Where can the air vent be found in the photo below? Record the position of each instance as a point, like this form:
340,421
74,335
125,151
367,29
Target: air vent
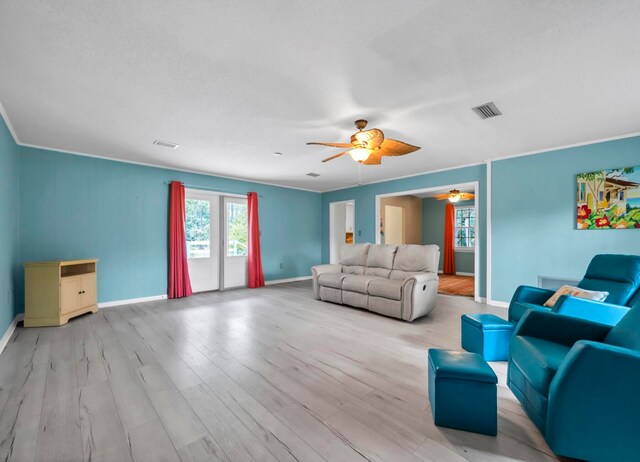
311,174
487,111
166,144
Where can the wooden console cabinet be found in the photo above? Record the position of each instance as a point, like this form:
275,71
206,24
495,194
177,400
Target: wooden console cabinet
56,291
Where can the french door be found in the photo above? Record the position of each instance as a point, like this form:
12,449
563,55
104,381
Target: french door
216,235
203,239
235,237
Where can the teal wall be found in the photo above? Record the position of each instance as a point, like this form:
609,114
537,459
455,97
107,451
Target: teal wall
82,207
55,205
433,232
534,215
365,197
9,225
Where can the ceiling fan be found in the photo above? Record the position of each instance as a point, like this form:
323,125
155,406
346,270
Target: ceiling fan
368,146
454,196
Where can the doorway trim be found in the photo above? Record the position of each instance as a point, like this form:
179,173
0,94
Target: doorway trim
331,206
477,252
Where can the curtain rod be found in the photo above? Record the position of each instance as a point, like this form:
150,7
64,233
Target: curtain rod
206,188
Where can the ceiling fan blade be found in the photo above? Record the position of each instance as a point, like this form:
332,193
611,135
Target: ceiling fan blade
335,157
334,145
441,197
374,159
396,148
466,196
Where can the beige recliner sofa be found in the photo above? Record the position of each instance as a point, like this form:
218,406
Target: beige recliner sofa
398,281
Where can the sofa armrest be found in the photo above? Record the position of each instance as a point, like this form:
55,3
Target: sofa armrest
422,278
593,403
419,295
317,270
558,328
603,313
530,294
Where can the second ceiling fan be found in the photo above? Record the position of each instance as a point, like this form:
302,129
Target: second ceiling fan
368,146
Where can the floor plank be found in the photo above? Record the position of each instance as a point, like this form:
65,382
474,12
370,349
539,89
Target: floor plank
266,374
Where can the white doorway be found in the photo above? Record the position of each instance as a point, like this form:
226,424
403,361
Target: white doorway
202,230
471,232
217,234
341,227
235,240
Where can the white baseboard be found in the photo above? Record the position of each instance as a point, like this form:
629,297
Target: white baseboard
458,273
9,332
281,281
497,303
132,300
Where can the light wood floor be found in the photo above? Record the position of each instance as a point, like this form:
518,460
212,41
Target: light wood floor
267,374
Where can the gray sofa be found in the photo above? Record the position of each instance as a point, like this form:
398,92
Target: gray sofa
398,281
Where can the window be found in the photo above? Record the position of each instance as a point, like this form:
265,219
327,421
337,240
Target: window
198,228
464,237
237,230
621,195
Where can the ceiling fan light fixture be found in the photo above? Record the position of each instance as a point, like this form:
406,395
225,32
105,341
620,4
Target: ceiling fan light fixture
454,196
360,154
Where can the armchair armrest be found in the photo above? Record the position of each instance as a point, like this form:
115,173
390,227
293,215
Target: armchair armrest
603,313
317,270
593,403
558,328
529,294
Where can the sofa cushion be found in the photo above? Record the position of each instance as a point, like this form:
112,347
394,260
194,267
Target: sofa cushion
386,288
354,254
537,359
417,258
357,283
381,272
355,269
381,256
331,280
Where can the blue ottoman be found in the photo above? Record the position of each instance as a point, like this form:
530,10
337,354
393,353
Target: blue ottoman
488,335
463,392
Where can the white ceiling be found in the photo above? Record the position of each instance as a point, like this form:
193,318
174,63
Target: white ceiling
234,81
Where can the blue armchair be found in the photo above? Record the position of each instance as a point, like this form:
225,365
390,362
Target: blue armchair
578,381
617,274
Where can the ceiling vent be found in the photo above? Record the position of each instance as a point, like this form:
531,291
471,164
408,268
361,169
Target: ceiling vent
166,144
314,175
486,111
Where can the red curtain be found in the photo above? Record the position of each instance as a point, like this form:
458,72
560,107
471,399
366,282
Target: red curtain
256,276
179,283
449,265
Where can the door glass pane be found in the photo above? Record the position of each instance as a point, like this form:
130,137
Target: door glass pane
198,228
236,229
